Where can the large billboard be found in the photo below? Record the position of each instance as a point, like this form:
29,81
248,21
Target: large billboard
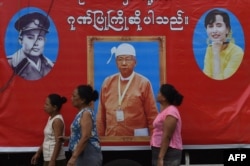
176,42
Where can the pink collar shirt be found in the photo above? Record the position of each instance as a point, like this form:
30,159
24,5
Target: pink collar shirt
176,140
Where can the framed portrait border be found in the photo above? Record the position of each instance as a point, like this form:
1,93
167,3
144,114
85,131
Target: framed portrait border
90,75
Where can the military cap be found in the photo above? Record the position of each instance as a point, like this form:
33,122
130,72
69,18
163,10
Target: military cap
32,21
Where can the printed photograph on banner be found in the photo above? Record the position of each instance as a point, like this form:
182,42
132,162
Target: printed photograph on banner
127,72
218,44
31,43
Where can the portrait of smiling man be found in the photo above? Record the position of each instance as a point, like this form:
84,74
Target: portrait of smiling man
127,104
29,62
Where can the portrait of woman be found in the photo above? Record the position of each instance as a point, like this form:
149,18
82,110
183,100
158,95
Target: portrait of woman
222,55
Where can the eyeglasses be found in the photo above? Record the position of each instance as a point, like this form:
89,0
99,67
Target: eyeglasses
127,60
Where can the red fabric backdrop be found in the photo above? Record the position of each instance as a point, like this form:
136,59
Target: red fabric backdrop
213,112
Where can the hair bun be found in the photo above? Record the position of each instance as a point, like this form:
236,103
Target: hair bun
63,99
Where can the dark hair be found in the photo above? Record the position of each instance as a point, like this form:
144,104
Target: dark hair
211,17
171,94
86,92
57,100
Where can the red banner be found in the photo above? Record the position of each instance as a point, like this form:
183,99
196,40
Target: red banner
174,36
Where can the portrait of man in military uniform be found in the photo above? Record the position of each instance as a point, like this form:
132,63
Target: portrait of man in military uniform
29,62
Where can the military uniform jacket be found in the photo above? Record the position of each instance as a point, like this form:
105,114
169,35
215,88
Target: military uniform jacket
27,69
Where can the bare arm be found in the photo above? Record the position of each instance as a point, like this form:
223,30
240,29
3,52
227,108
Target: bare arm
37,155
58,127
169,126
86,127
